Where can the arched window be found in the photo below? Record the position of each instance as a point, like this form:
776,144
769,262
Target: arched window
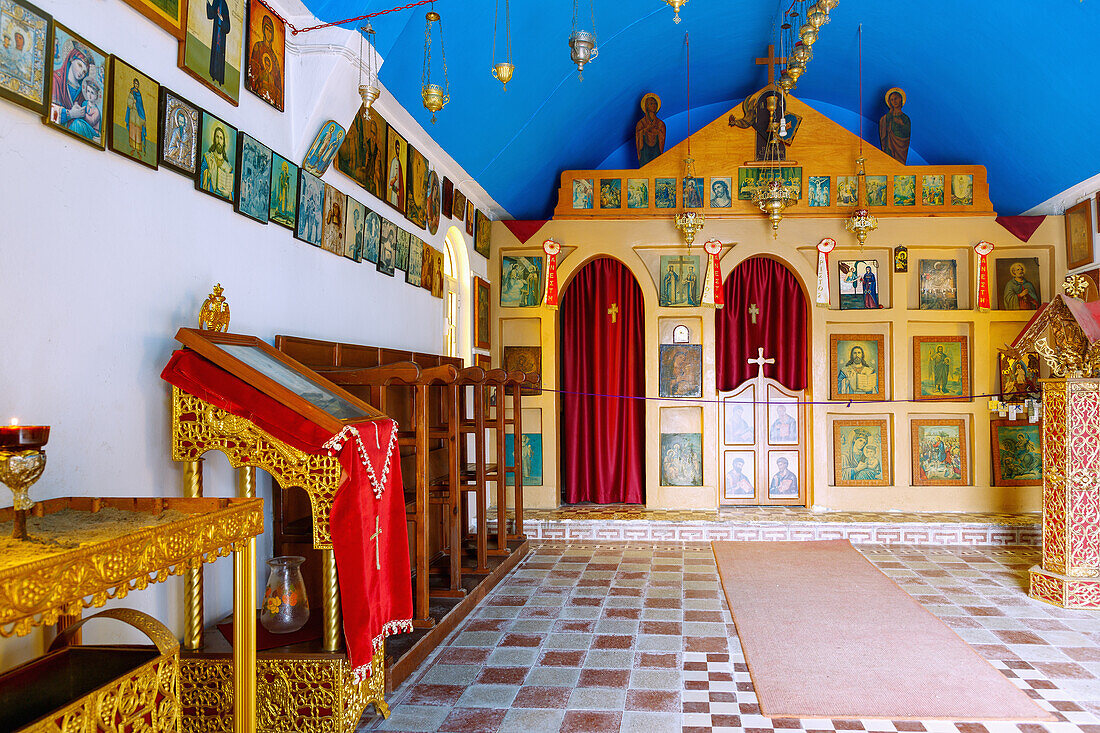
451,299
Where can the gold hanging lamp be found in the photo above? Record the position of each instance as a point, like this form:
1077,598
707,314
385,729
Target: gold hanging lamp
861,222
676,5
435,96
502,70
369,91
771,196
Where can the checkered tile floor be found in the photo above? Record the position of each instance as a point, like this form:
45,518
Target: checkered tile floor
594,638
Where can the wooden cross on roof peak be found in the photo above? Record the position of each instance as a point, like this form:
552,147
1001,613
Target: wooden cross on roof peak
771,61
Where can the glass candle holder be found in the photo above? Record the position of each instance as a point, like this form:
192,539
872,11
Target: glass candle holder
285,608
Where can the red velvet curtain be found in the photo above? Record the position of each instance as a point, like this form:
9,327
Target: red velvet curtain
765,287
603,438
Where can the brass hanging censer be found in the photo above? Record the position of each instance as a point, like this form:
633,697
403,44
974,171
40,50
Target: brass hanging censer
502,70
435,96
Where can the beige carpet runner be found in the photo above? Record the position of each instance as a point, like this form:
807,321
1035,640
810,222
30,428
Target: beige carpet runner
828,635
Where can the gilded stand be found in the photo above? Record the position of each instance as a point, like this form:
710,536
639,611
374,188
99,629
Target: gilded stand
306,691
1067,336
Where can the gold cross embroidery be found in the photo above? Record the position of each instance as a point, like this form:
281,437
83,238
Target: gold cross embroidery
613,311
376,537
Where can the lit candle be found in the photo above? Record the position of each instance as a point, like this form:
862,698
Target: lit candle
23,437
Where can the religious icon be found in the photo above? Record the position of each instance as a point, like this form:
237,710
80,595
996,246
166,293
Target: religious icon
861,453
416,191
737,420
939,452
254,182
783,422
941,368
414,273
693,193
680,370
901,258
819,191
372,231
78,88
855,361
754,113
354,224
437,276
482,324
397,154
962,190
740,474
664,193
266,54
332,226
582,193
526,359
433,202
748,180
311,202
168,14
283,208
1017,453
720,196
178,133
361,156
905,190
427,268
401,257
611,193
448,197
25,37
939,287
1019,377
894,128
681,459
459,210
210,49
847,190
680,280
530,448
471,219
134,113
323,148
858,284
217,158
387,247
649,133
482,233
783,474
876,190
1018,283
1079,234
520,281
931,190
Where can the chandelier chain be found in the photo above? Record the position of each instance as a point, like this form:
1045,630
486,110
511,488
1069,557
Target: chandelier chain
294,30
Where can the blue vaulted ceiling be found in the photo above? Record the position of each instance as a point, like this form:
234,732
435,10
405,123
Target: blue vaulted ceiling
1012,85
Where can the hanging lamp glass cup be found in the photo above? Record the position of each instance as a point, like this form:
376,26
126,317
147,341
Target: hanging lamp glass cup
808,34
582,49
503,73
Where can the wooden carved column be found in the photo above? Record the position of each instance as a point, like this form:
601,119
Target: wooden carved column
1070,573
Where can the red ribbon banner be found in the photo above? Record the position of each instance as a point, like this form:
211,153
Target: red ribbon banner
550,295
714,249
983,248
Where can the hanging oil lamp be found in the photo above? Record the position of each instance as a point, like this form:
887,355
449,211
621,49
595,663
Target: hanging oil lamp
502,70
367,92
676,5
582,44
771,196
861,222
435,96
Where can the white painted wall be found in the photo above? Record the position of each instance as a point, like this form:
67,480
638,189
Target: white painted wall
101,260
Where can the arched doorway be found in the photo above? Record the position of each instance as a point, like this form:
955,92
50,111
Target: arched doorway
762,365
603,362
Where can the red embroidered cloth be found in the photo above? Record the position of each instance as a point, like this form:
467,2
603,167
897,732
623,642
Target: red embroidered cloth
367,520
